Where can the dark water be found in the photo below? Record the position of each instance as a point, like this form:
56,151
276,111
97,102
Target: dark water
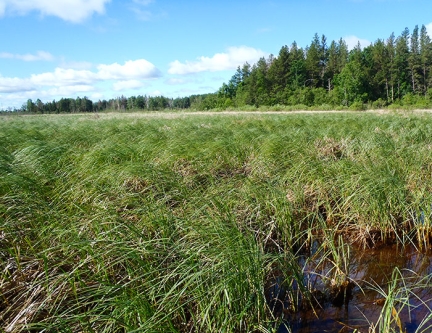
371,270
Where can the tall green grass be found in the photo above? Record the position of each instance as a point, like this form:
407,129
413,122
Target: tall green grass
173,224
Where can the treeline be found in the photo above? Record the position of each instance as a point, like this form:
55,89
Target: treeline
396,72
393,71
84,104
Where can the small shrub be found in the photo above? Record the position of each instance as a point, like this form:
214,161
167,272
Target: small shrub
379,104
357,106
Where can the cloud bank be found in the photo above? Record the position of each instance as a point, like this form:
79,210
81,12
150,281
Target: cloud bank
69,10
234,57
66,81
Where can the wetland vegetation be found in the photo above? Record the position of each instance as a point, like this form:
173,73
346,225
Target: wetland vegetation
216,223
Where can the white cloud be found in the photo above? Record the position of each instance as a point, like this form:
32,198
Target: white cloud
133,69
352,42
39,56
127,85
69,10
69,82
14,84
234,57
64,77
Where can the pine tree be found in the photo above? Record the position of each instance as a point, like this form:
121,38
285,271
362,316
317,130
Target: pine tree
297,73
343,54
313,63
278,75
414,61
262,82
323,55
392,69
381,76
425,58
333,64
401,62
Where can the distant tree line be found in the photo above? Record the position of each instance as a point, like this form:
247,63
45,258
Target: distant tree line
395,71
84,104
392,71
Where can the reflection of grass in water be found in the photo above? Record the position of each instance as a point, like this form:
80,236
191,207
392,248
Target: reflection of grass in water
176,224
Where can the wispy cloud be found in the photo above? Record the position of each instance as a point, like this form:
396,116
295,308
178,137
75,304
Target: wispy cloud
73,11
143,15
235,56
39,56
141,10
75,64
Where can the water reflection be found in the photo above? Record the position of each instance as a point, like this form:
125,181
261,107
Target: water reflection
372,269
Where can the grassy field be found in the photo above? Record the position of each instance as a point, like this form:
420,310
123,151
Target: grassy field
180,223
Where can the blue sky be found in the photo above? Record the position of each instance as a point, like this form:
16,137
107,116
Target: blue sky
102,49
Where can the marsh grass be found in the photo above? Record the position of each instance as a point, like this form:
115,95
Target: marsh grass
182,224
405,292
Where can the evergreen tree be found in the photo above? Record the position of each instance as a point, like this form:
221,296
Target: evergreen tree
245,72
343,54
313,63
414,61
323,55
278,75
298,72
425,58
140,102
262,83
380,68
401,62
392,68
333,65
64,105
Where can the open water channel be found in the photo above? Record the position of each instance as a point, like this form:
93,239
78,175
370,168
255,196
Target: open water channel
371,270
